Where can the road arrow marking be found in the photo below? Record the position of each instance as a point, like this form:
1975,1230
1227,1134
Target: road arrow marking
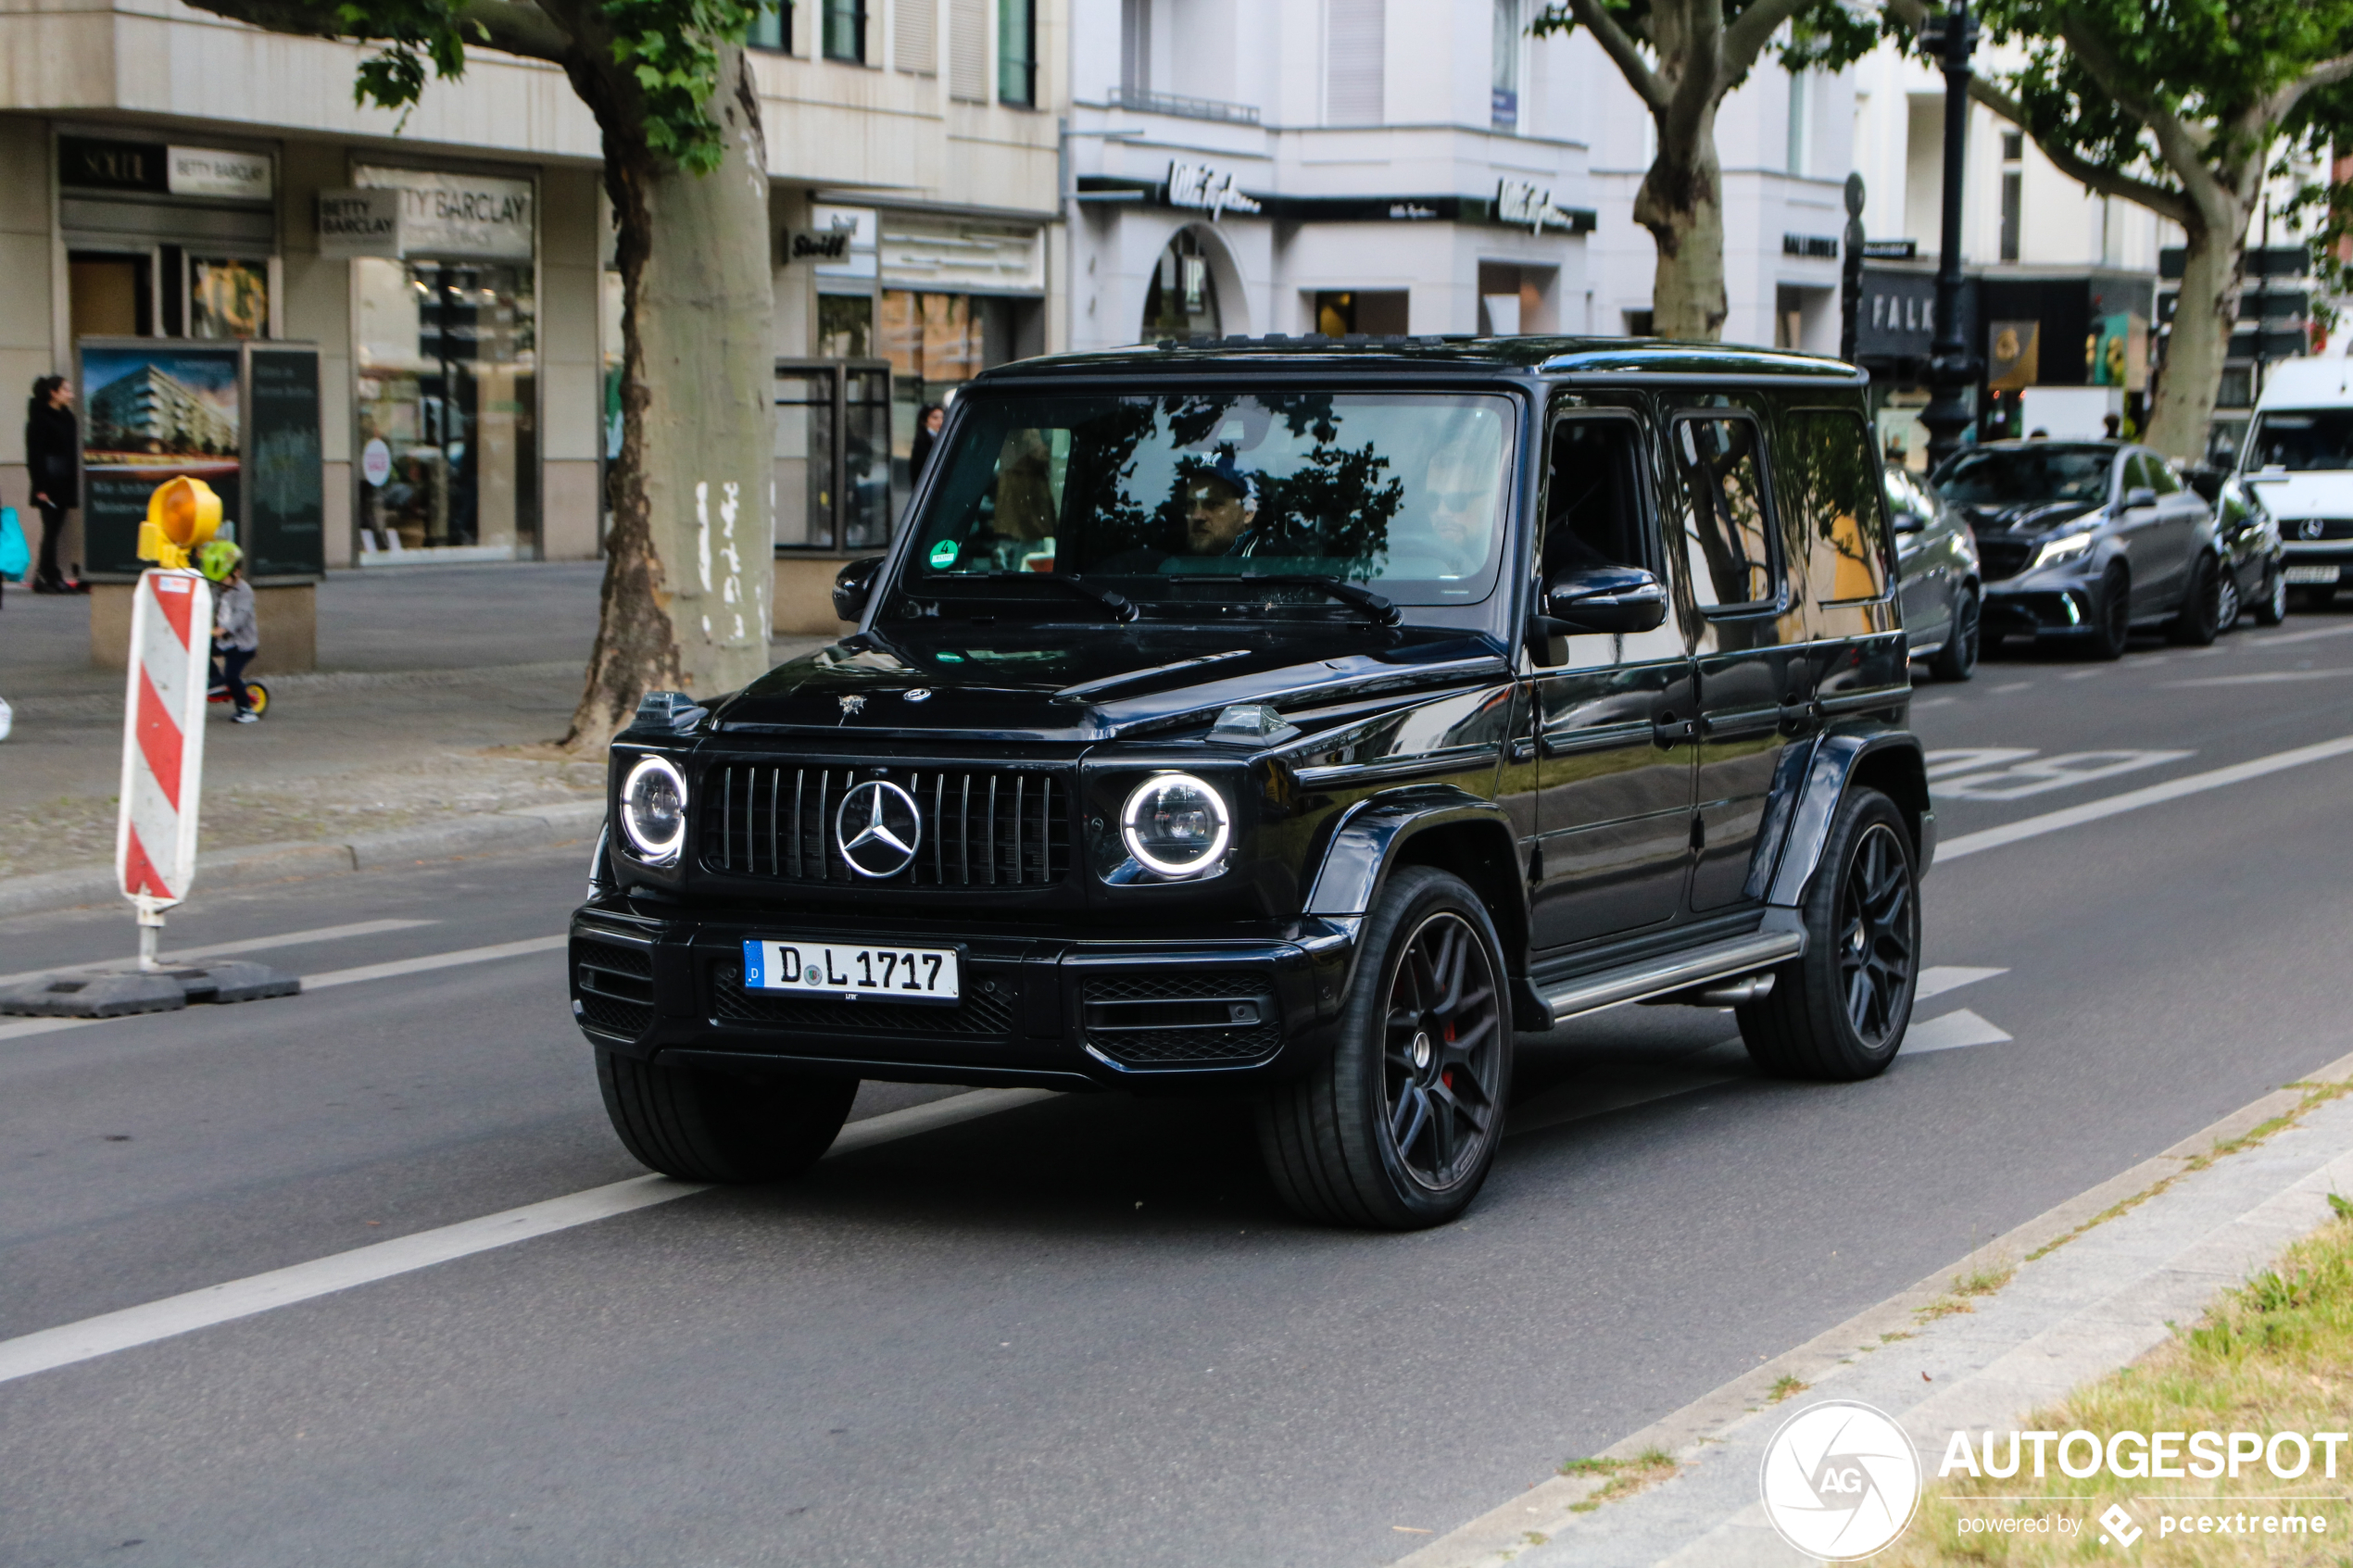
1951,1033
1938,979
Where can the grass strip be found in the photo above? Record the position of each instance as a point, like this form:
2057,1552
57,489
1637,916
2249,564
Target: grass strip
2272,1355
1627,1477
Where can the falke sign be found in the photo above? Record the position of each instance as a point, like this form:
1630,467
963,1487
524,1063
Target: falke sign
1204,189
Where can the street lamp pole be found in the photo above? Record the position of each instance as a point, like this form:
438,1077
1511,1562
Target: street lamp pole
1952,369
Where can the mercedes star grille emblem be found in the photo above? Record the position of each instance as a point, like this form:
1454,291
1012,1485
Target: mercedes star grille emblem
878,829
2314,527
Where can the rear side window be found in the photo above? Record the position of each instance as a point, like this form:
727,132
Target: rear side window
1834,483
1727,530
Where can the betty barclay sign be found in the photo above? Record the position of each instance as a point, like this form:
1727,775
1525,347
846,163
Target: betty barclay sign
464,216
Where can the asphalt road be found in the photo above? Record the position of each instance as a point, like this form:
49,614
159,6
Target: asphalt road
1081,1331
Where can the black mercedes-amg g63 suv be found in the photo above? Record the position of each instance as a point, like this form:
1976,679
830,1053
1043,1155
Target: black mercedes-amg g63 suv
1296,717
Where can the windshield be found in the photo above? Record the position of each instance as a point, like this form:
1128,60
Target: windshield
2303,439
2004,476
1181,499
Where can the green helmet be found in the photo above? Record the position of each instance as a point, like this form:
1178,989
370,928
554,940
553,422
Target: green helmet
218,558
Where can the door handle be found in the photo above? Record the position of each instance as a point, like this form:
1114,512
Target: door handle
1523,750
1666,730
1798,716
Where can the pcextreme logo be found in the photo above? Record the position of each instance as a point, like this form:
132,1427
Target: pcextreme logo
1840,1480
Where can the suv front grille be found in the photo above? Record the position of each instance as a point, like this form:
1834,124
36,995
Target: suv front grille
982,827
614,986
1186,1019
986,1010
2003,558
2295,530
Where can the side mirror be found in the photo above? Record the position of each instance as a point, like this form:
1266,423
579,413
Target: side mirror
1612,600
851,584
2140,495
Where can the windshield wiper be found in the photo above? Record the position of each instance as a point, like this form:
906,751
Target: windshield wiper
1121,608
1383,612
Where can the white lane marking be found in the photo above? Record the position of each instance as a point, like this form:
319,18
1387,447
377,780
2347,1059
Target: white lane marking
249,945
2046,773
335,977
1920,702
1938,979
2257,678
2287,637
2082,674
1951,1032
175,1315
1962,759
2133,800
2013,687
328,981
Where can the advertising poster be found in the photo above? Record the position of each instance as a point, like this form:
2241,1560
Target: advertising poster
285,517
152,410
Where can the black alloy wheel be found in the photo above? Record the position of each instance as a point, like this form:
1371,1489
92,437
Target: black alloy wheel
2199,620
2270,605
2112,613
1839,1010
2227,606
1397,1127
704,1127
1956,661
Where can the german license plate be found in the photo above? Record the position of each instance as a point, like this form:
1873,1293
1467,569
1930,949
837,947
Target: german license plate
850,970
2314,574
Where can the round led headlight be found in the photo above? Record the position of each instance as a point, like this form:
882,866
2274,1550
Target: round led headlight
1176,825
653,810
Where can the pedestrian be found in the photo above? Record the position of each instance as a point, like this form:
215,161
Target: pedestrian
235,635
2112,426
927,425
53,458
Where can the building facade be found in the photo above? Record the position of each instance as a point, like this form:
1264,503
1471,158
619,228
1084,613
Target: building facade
183,178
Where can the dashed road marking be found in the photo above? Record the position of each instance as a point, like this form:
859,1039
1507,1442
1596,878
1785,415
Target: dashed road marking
2042,775
2257,678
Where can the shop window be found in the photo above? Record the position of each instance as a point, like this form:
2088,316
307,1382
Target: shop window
1377,312
845,326
1728,538
1018,52
1503,94
844,30
447,407
771,28
1181,300
228,298
109,296
832,472
1639,323
2013,190
935,343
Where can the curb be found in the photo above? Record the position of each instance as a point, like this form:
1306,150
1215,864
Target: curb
1551,1505
529,828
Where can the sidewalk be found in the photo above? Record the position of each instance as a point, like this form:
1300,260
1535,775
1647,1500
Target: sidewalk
2112,1288
437,693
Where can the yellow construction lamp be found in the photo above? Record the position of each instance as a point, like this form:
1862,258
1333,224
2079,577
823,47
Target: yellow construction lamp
181,514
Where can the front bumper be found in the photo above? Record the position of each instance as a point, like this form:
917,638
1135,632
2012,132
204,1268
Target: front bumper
1061,1007
2045,607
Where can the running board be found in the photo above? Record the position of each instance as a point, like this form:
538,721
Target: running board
1656,978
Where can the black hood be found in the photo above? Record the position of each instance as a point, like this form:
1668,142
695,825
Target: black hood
1060,683
2024,517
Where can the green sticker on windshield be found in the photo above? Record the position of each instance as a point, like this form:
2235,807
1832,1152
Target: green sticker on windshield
943,555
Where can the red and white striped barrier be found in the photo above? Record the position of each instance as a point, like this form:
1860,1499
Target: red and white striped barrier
155,843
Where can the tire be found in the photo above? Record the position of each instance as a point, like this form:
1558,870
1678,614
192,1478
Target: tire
1956,661
1423,1046
2230,607
1839,1012
2199,621
710,1127
2271,607
2112,613
257,698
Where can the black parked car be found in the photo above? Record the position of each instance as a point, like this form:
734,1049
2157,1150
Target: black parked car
2248,538
1298,719
1943,585
2087,540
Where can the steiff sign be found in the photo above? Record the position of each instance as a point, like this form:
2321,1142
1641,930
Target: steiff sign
359,223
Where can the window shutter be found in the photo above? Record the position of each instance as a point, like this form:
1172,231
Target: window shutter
916,43
1354,53
968,44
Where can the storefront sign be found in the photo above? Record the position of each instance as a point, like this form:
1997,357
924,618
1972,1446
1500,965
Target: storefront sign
1814,246
94,163
209,171
806,245
155,410
286,523
458,216
360,223
859,226
963,257
1518,202
1203,189
1898,316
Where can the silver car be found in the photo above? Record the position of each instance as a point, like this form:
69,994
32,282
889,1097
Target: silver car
1936,563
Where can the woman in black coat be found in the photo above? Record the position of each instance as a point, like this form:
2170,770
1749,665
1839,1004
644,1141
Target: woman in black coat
52,456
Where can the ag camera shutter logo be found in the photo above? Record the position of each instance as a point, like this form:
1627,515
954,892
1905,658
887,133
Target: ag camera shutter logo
1840,1480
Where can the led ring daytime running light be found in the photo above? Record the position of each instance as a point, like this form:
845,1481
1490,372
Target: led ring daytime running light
1141,802
654,851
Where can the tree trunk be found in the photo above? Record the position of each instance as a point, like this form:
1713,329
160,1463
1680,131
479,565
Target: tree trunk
689,556
2200,338
1681,203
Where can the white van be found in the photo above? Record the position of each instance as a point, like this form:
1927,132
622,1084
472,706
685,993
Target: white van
2300,461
